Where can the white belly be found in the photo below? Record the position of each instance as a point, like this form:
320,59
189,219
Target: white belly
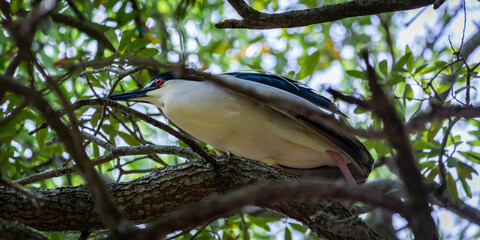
230,122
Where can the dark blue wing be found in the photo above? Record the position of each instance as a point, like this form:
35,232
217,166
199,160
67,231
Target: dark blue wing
288,85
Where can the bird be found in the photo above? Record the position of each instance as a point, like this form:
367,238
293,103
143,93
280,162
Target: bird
236,124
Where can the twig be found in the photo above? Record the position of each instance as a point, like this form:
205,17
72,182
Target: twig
199,231
441,165
75,10
244,227
367,105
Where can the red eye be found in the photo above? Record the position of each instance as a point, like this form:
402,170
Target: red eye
158,82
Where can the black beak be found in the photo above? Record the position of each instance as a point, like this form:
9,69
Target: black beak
130,96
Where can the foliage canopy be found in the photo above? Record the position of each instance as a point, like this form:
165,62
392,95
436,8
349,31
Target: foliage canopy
75,50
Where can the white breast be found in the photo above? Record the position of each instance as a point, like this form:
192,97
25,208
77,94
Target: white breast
231,122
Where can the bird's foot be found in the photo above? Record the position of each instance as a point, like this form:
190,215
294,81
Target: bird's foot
338,159
278,167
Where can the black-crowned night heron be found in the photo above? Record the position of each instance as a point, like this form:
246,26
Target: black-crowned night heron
231,122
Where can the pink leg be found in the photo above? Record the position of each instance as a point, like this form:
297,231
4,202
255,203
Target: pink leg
278,167
338,159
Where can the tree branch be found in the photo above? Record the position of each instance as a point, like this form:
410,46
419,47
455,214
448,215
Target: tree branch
253,19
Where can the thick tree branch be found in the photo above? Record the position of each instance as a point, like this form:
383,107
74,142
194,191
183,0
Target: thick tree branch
253,19
171,189
269,196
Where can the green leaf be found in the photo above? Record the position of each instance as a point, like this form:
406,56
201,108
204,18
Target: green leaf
383,66
126,37
112,37
288,234
96,150
466,187
471,156
410,63
435,126
452,188
109,130
129,139
426,70
261,221
395,79
465,171
146,52
309,65
431,176
139,43
408,93
359,110
417,70
299,227
15,5
410,60
440,64
46,24
475,142
402,61
41,136
452,162
356,74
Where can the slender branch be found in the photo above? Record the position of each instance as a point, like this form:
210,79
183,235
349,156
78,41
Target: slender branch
253,19
85,27
422,224
75,10
459,207
13,113
441,165
114,153
351,99
441,113
13,66
98,141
